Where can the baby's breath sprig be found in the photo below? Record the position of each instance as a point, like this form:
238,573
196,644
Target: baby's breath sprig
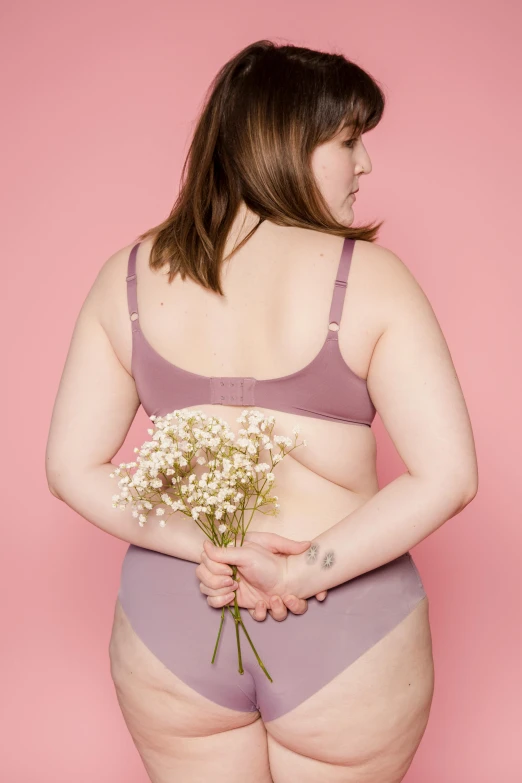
167,477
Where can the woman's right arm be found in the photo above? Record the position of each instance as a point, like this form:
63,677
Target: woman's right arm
93,411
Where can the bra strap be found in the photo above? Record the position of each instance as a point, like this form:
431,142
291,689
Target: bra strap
336,307
132,298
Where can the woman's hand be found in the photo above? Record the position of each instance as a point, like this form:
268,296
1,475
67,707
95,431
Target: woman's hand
261,566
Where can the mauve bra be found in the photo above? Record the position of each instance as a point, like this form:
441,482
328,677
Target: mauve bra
326,388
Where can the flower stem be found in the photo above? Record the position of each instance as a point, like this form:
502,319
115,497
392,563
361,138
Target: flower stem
260,662
219,634
237,621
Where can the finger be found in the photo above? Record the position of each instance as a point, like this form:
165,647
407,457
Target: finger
277,608
211,565
234,555
216,591
278,544
289,547
259,612
214,581
220,600
321,596
295,604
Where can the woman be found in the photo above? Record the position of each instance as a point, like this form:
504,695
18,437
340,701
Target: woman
280,305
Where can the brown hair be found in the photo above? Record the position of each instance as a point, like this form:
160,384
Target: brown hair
268,108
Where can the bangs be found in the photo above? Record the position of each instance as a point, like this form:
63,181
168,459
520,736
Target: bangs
363,109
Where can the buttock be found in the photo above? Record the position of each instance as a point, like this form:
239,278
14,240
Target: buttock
161,597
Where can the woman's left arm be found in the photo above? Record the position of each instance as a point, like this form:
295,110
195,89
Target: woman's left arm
414,386
415,389
398,517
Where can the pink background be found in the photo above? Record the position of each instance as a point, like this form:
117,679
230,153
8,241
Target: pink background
99,105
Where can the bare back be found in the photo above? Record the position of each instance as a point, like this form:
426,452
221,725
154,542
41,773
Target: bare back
272,322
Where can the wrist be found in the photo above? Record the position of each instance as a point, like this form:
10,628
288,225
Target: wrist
294,582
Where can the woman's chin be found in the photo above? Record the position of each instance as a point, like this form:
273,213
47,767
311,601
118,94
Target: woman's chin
347,217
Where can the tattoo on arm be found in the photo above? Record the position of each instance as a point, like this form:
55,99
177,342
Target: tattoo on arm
328,559
311,555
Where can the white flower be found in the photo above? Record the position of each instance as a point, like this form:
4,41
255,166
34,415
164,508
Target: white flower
183,439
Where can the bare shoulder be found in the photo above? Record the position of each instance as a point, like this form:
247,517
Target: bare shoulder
386,269
108,290
393,285
106,303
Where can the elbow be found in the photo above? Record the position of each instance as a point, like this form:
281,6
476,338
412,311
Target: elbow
470,491
469,484
54,478
453,489
54,492
463,489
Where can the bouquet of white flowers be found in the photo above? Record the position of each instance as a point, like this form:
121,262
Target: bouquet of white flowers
166,478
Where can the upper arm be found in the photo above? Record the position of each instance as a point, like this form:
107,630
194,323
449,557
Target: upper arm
414,386
97,399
